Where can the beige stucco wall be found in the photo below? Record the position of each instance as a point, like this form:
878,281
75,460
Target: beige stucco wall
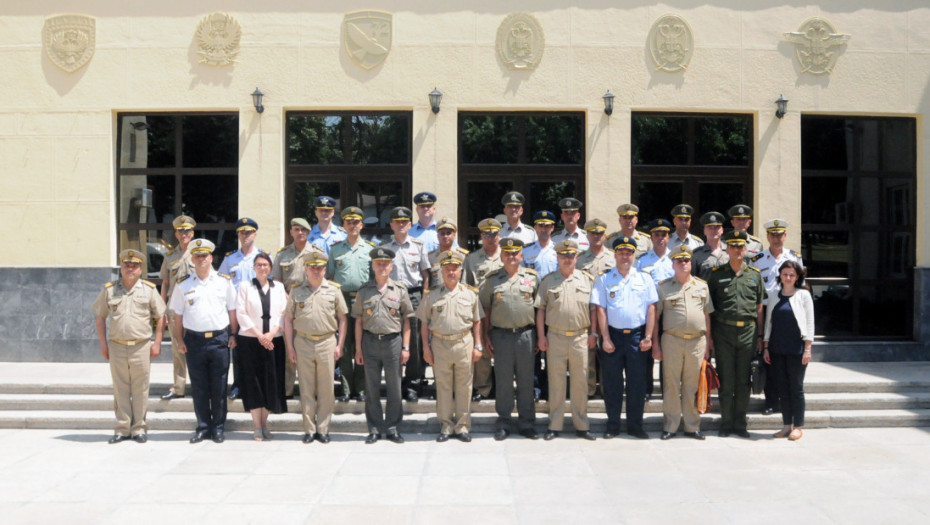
57,130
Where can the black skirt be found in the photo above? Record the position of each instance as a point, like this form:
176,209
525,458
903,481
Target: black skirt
262,382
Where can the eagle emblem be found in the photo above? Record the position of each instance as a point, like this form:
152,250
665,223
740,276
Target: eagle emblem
367,37
813,42
69,40
520,41
671,43
218,38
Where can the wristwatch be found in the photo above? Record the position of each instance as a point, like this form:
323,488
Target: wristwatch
405,348
479,348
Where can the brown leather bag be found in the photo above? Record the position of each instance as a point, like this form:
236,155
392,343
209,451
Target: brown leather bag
707,382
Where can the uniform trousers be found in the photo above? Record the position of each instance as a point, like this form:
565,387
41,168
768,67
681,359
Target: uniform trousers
681,371
628,360
453,371
595,370
290,377
382,354
513,360
316,363
129,367
484,374
208,363
568,352
789,379
733,349
179,360
352,375
415,369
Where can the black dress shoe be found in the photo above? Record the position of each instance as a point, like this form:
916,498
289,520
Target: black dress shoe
742,433
667,435
218,437
395,437
723,433
477,397
372,438
550,435
442,438
234,393
171,395
610,434
529,434
584,434
768,411
117,439
361,398
412,396
322,438
140,438
695,435
638,433
464,437
343,398
501,434
308,438
200,435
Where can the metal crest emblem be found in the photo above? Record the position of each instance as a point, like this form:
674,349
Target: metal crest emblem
520,41
367,37
70,40
671,43
812,43
218,36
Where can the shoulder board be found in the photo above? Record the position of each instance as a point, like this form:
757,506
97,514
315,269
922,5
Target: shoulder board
225,276
340,228
493,272
181,279
109,284
334,283
588,275
715,268
414,240
281,249
171,251
698,279
602,272
295,285
796,254
148,283
663,281
230,253
472,288
370,243
531,271
754,268
463,250
757,256
534,243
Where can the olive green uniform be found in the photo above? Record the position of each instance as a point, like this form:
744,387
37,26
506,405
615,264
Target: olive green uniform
595,265
705,259
131,313
735,298
350,267
478,265
684,343
288,268
175,265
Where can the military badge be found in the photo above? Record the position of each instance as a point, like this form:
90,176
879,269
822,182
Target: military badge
393,311
300,305
218,38
527,295
520,41
367,37
498,296
439,308
368,311
190,301
613,294
339,262
813,41
671,43
69,41
555,295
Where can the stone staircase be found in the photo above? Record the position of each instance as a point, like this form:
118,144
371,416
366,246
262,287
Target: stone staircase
79,396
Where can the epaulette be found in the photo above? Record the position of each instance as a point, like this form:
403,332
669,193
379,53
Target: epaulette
696,278
414,240
171,251
230,253
663,281
472,288
334,283
754,268
370,243
588,275
181,278
109,284
463,250
148,283
225,276
534,243
757,256
295,285
715,268
531,271
602,272
281,249
796,254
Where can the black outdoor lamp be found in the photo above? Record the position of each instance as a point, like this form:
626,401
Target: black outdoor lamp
435,97
257,100
781,106
608,103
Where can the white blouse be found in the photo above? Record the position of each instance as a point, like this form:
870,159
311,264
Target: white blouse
249,308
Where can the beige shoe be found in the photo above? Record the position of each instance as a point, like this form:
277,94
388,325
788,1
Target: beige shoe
783,433
795,434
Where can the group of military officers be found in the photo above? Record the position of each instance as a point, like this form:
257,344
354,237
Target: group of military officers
590,302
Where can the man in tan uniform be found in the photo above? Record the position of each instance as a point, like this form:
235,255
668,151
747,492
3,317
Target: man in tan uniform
315,312
563,304
478,264
176,264
131,303
445,232
595,261
685,300
629,218
450,329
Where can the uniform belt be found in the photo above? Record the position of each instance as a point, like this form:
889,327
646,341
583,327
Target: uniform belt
312,337
453,337
735,322
569,333
207,335
128,342
626,331
514,330
685,336
382,336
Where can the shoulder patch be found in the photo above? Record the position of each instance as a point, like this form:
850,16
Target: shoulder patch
148,283
230,252
225,276
109,284
757,256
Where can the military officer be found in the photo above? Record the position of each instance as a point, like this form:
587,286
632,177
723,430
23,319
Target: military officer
655,262
239,265
513,210
349,266
685,301
450,328
478,264
205,313
382,310
314,315
595,261
736,290
681,218
741,220
570,216
563,304
629,218
425,227
325,234
445,232
713,253
539,255
507,297
625,300
176,264
411,268
769,264
131,303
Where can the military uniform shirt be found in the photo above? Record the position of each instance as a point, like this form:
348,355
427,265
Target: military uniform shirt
450,312
579,236
543,260
522,231
409,261
175,264
205,304
239,267
753,245
659,268
314,311
643,242
383,312
596,264
705,259
130,311
566,300
426,234
625,300
510,301
691,241
435,270
769,266
684,305
327,240
736,296
348,265
288,265
478,264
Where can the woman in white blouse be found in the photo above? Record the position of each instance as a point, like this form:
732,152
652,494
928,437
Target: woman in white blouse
260,311
789,333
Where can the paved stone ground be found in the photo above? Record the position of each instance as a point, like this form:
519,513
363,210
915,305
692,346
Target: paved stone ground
868,475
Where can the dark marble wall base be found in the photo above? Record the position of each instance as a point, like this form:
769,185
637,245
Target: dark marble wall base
922,305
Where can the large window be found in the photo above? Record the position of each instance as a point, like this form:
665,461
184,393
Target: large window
541,155
858,215
358,158
173,164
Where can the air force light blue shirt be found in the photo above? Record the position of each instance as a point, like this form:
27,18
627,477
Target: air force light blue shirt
626,300
543,260
325,242
240,267
659,268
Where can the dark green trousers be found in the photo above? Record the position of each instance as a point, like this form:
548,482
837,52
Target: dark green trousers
734,347
353,375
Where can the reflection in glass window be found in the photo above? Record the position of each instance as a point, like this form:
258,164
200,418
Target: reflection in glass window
714,140
546,139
